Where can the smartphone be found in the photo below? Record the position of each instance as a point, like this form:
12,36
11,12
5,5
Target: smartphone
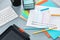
28,4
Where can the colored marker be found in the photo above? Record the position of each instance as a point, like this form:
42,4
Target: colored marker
44,9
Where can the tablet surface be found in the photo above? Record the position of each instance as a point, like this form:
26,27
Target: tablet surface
11,34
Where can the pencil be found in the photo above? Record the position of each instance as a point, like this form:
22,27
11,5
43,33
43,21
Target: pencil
23,18
55,14
44,30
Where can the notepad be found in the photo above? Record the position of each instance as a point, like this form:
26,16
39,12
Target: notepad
54,33
36,18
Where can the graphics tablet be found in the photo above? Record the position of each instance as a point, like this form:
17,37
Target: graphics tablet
12,33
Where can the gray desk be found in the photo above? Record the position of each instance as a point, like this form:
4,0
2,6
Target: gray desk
21,23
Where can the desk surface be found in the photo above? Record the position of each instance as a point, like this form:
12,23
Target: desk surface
19,22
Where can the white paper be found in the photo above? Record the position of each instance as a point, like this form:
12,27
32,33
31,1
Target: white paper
46,17
55,19
53,22
55,10
36,18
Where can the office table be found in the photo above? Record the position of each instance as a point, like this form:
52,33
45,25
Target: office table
19,22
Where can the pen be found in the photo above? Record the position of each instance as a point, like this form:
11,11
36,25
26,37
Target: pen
44,30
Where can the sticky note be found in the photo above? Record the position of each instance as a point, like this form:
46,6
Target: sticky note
54,33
